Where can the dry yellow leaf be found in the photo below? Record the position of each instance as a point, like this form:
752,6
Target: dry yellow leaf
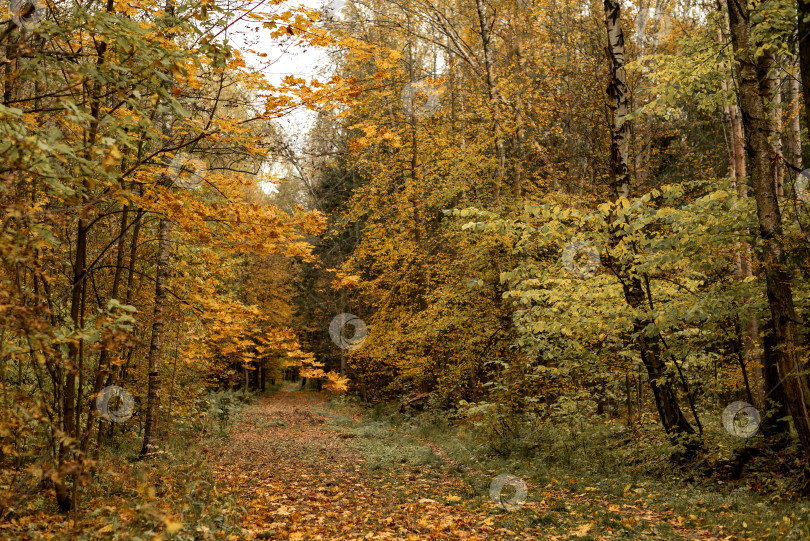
582,530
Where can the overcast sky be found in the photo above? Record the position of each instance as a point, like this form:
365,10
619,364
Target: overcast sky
282,61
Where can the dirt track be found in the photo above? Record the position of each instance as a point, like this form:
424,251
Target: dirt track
299,479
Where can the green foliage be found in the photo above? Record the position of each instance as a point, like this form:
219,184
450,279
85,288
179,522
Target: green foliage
218,409
604,461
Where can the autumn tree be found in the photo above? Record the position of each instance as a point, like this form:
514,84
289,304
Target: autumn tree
132,135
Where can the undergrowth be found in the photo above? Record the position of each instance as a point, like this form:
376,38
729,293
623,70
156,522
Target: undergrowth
170,495
743,488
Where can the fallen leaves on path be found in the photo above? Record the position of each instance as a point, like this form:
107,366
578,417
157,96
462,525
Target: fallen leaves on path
298,479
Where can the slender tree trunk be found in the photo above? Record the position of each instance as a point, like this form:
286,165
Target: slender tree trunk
774,86
104,358
69,416
750,327
492,95
11,69
414,194
732,113
778,272
650,348
774,392
517,173
794,133
150,433
156,345
133,252
617,101
628,400
803,12
520,134
645,45
263,376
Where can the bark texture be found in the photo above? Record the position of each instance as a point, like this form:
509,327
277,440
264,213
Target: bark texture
753,75
650,348
156,344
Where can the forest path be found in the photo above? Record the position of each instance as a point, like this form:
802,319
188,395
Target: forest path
298,477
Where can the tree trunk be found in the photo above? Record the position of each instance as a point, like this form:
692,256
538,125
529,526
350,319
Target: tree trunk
778,273
774,86
774,393
69,412
156,345
803,12
617,102
416,200
484,28
150,433
104,358
794,133
750,327
650,348
262,377
115,374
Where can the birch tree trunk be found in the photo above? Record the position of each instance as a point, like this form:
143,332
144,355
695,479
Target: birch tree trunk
650,348
617,102
774,86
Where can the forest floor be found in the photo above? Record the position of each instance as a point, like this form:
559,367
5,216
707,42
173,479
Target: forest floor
298,464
